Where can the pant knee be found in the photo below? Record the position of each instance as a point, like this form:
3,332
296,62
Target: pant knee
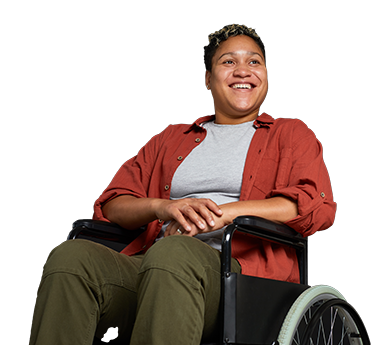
181,254
73,256
169,250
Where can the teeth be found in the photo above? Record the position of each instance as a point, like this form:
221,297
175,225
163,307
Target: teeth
242,86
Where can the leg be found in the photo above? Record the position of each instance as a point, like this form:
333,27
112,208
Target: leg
85,288
178,293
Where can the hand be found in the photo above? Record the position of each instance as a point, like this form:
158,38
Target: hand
189,213
175,228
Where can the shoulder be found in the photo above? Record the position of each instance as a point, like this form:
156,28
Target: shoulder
171,130
182,128
294,125
281,121
174,134
288,130
285,124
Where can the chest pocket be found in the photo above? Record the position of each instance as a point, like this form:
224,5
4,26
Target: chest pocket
274,172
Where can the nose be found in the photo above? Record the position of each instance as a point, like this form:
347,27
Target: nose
242,70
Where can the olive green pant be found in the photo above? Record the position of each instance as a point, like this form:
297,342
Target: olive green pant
170,295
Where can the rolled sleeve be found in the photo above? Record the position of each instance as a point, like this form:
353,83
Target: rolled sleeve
308,185
131,179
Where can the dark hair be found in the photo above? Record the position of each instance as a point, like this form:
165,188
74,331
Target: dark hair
227,31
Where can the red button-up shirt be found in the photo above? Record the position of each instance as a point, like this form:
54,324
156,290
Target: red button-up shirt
284,158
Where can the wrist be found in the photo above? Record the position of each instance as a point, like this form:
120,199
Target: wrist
155,206
229,213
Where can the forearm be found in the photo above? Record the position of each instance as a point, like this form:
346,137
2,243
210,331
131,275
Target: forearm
277,209
130,212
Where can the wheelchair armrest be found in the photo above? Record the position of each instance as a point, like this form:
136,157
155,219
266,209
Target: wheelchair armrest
109,234
268,230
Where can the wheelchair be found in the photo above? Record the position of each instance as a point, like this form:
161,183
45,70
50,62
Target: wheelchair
256,310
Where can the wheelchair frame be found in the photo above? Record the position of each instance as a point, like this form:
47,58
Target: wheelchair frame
250,317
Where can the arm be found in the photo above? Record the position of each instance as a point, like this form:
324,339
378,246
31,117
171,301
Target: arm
305,180
277,209
131,212
135,197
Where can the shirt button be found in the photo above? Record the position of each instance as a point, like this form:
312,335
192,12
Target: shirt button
166,187
197,140
322,194
179,158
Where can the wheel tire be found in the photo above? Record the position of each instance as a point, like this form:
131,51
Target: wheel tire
309,298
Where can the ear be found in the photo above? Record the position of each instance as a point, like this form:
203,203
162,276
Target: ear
207,79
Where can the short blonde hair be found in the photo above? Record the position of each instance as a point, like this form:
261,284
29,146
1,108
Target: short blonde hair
227,31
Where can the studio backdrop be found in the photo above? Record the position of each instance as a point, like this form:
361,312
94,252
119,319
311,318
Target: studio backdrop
98,92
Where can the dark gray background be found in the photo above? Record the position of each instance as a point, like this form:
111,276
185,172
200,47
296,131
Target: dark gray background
98,92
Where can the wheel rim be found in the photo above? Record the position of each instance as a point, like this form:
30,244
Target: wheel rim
335,322
339,325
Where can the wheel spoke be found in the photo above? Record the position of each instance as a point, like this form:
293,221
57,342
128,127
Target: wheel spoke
332,322
343,332
321,324
304,316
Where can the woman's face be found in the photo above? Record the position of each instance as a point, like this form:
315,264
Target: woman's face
238,81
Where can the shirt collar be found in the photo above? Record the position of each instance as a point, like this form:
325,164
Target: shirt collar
264,120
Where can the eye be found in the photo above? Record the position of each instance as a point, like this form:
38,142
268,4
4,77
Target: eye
228,62
254,62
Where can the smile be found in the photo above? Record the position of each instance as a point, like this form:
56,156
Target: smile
242,86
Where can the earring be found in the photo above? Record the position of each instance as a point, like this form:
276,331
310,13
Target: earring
208,86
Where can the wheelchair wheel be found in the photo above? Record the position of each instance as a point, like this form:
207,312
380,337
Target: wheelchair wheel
322,316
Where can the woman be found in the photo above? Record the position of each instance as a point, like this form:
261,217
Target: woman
187,184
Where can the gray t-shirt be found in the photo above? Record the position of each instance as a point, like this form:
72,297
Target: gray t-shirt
214,169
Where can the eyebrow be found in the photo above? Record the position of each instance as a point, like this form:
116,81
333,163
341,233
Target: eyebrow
234,53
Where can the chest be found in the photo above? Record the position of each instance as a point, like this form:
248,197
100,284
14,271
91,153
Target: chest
216,165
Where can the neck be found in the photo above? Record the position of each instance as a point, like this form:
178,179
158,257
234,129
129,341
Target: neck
223,119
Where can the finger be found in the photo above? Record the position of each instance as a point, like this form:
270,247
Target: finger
171,228
194,217
179,218
174,228
213,207
202,212
207,215
208,210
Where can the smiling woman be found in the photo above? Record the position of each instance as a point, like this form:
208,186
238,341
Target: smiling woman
184,188
238,80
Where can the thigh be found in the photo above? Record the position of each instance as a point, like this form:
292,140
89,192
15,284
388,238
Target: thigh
120,298
185,272
110,276
80,292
